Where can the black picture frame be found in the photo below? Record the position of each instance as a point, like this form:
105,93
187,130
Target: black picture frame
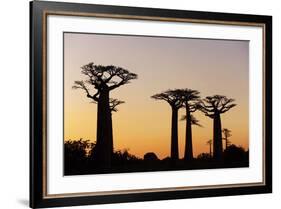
38,12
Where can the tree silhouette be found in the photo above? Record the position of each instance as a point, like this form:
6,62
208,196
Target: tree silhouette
235,153
226,134
173,97
123,157
210,142
188,154
150,156
189,99
204,156
103,79
76,153
213,107
113,103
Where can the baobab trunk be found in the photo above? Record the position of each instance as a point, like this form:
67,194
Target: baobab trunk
103,146
217,144
188,154
174,135
110,134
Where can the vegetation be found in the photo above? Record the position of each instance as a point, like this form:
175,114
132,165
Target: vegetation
174,99
79,160
85,157
103,79
226,134
213,107
189,99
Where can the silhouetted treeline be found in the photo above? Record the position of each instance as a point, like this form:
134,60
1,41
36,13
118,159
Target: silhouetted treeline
79,159
82,157
76,155
212,106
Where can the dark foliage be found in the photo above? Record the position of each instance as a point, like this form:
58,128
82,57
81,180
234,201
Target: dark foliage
84,157
150,156
76,154
123,157
80,159
204,156
235,154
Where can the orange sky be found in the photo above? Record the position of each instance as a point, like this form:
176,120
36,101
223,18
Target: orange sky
143,124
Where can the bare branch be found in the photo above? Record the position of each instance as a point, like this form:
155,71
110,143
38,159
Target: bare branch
94,72
194,106
110,76
226,108
173,97
216,104
125,77
207,111
113,103
81,85
189,95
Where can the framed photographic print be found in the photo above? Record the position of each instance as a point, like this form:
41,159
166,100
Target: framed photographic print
139,104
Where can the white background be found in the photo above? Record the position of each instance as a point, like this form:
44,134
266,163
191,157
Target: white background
14,107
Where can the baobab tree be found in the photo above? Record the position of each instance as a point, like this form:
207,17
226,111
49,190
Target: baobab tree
189,99
103,80
210,142
173,98
188,153
113,103
213,107
226,134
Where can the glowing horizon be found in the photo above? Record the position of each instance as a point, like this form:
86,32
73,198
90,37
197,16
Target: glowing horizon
143,124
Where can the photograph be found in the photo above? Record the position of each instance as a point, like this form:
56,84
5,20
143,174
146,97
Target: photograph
134,103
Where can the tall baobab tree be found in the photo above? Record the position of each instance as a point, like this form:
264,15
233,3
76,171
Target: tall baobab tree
213,107
188,153
103,80
226,134
189,99
173,97
113,103
210,142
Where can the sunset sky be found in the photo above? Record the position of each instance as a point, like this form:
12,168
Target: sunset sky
143,124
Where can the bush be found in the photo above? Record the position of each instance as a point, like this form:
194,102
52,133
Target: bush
234,153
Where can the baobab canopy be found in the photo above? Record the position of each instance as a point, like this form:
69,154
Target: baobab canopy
213,107
104,79
216,104
173,97
177,99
